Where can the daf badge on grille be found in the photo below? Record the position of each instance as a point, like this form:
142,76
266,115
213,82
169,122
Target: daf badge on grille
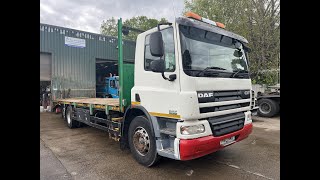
203,95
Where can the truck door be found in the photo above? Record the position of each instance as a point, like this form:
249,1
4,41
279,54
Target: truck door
157,94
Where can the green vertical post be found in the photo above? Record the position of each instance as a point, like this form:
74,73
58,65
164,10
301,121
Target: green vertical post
120,63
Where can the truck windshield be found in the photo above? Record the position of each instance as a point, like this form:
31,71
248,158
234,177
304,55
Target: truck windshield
203,49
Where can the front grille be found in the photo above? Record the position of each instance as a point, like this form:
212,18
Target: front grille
221,125
222,108
221,96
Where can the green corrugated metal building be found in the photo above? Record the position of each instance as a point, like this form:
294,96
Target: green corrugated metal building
68,59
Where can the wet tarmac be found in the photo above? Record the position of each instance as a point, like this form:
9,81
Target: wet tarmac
88,153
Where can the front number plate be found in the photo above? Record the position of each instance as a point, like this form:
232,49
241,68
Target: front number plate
227,141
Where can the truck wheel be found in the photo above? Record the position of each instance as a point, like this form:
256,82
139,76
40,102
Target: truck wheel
142,142
63,112
268,108
71,123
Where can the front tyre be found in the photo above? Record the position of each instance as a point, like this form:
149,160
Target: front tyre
142,142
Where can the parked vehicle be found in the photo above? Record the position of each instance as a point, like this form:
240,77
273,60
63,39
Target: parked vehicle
175,101
109,88
269,102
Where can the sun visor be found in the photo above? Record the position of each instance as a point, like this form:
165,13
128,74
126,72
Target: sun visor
208,27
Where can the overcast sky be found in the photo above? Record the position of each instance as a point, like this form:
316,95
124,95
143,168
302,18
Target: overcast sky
87,15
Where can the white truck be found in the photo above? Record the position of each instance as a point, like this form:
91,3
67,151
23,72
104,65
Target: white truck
188,94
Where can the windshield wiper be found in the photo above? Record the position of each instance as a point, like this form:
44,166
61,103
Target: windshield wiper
239,71
207,68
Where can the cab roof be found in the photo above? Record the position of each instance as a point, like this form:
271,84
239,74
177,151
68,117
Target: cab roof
208,27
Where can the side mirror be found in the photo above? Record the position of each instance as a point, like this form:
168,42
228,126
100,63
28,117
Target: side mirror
156,44
247,49
157,65
237,53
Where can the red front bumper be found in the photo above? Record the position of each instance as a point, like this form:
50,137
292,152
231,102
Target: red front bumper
194,148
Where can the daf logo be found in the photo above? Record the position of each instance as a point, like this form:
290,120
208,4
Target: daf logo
246,92
204,95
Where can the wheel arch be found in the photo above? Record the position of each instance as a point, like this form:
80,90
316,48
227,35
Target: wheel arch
129,115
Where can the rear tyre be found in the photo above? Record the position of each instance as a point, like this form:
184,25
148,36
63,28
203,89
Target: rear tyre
268,107
142,142
63,112
71,123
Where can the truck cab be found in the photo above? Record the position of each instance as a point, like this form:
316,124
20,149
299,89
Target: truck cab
109,88
192,80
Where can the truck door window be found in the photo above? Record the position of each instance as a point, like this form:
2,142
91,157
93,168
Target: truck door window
167,35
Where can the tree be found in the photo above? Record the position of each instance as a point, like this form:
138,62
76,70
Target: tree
109,27
256,20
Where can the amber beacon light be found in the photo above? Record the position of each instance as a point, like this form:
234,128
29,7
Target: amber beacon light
205,20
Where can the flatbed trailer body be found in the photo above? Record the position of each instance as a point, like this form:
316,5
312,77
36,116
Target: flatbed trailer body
101,113
94,103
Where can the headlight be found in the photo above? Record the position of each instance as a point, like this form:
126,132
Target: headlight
195,129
